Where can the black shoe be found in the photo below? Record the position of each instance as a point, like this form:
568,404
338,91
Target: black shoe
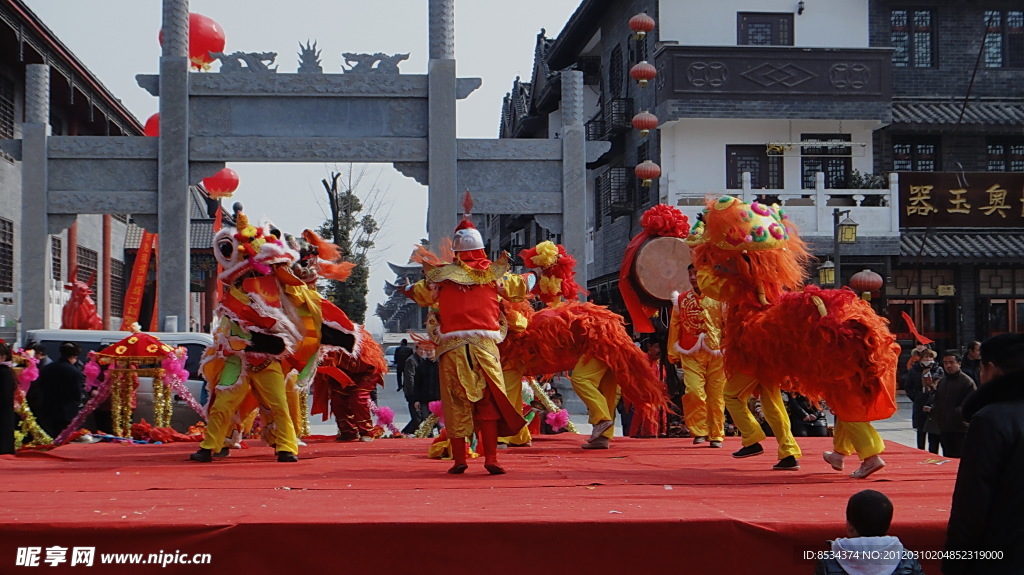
286,457
202,456
224,452
749,451
787,463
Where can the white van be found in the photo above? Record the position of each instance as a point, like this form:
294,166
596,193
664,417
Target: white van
95,340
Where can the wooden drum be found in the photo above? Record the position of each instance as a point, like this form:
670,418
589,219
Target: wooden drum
660,269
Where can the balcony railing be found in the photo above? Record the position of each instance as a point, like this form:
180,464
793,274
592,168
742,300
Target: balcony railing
617,188
618,115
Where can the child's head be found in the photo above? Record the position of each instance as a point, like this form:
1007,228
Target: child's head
868,514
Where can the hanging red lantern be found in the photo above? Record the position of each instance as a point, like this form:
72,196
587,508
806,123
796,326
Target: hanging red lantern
152,127
641,24
645,122
647,171
222,184
866,281
643,73
204,36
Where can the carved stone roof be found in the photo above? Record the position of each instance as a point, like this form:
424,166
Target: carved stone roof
1002,113
963,246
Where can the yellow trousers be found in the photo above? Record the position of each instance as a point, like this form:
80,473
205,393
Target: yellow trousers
857,437
514,390
598,389
704,402
737,390
463,373
268,385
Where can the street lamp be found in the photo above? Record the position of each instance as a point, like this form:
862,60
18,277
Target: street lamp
843,232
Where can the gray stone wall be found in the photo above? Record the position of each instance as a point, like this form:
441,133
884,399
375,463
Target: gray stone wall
958,33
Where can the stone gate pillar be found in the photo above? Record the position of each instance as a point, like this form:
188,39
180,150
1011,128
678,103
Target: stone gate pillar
574,173
442,151
35,243
173,279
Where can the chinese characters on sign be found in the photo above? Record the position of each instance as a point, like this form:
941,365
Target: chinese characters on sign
972,200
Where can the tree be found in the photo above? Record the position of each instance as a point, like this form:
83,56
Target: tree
355,233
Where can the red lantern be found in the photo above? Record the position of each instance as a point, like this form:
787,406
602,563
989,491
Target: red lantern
647,171
152,128
222,184
866,281
204,36
645,122
643,73
641,24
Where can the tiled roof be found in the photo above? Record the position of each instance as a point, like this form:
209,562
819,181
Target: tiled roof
200,237
948,112
970,246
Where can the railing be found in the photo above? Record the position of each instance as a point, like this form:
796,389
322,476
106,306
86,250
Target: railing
876,211
617,189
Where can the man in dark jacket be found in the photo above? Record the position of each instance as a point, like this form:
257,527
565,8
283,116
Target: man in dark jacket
56,395
428,386
409,389
919,385
971,365
953,389
401,355
988,501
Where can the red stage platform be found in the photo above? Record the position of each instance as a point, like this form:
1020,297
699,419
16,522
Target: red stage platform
644,506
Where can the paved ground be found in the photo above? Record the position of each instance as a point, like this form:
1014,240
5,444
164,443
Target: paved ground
896,429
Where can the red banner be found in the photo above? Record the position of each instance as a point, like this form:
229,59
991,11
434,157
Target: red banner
137,284
154,322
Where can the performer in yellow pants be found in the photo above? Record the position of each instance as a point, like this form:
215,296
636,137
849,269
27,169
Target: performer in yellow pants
703,402
514,390
858,437
267,383
737,390
596,386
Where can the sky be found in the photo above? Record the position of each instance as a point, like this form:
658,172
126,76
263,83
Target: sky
494,41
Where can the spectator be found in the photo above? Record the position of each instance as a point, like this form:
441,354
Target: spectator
409,388
866,549
545,427
988,501
56,395
648,420
7,385
401,355
428,383
919,385
971,364
953,389
40,353
806,417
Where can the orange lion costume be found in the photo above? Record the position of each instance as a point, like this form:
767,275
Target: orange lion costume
825,344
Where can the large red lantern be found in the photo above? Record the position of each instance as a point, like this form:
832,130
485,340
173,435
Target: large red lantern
204,36
866,281
641,24
647,171
152,127
645,122
643,73
222,184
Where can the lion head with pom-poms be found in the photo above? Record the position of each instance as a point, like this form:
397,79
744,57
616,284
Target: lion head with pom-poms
747,252
557,272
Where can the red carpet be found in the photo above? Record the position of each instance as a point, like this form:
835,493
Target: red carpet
643,506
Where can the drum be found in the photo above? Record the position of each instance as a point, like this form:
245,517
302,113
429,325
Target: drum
660,269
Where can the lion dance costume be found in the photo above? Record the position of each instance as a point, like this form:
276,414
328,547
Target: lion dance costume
467,326
824,344
269,324
586,339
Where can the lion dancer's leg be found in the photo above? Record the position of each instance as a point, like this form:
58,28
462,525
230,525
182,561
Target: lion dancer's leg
714,388
269,385
457,408
513,379
599,393
359,408
341,409
737,390
485,418
695,408
861,438
232,389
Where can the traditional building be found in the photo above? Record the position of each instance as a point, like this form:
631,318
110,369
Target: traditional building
90,249
823,110
400,314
